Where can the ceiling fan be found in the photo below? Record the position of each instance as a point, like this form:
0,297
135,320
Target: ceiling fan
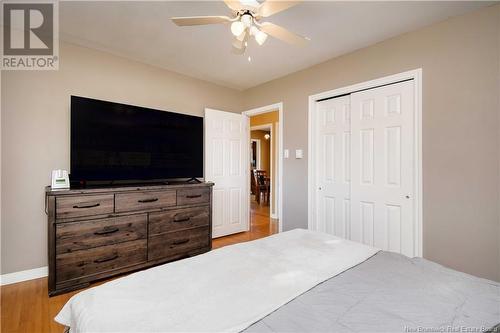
245,22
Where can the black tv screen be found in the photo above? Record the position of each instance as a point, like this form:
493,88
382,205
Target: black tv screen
112,142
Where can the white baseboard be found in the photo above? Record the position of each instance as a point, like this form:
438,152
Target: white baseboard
21,276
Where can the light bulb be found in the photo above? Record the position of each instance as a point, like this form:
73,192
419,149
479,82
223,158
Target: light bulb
237,28
260,37
247,20
253,30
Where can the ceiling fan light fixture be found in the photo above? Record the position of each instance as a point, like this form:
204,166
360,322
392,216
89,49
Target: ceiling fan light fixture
237,28
260,37
247,20
253,30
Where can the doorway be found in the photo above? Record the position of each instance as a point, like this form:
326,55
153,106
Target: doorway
365,163
263,163
265,168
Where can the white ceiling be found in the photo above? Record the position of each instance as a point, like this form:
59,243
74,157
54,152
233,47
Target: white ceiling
142,31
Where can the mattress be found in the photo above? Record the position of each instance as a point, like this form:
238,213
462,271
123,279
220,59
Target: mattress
391,293
296,281
227,289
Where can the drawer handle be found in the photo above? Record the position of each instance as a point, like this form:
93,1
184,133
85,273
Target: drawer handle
99,261
193,196
180,241
182,219
106,231
148,200
87,206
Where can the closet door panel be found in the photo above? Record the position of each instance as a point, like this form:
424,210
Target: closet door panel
382,167
333,150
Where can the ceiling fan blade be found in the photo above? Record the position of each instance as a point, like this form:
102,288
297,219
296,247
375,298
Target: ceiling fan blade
252,5
239,51
241,41
270,7
238,44
243,37
233,5
200,20
281,33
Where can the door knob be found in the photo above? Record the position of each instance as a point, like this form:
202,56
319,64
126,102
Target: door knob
319,188
407,197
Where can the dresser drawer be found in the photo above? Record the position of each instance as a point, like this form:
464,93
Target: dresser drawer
178,219
173,244
83,235
85,205
100,259
126,202
193,196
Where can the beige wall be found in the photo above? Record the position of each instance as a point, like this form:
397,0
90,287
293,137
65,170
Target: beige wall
35,131
460,62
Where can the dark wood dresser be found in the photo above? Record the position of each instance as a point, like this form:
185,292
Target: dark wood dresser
100,232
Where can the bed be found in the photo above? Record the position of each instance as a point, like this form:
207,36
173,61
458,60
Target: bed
296,281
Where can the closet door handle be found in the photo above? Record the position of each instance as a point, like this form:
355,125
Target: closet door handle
86,206
147,200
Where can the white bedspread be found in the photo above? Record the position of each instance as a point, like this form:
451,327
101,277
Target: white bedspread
224,290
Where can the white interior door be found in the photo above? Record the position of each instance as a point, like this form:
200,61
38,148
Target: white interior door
382,167
333,166
227,164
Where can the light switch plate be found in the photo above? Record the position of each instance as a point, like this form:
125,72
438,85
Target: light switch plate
299,153
286,153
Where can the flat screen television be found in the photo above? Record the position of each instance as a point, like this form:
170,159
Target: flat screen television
119,142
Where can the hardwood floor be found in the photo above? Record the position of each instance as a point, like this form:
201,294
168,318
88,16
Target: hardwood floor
26,307
260,226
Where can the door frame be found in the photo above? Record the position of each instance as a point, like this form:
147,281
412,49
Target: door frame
416,75
266,109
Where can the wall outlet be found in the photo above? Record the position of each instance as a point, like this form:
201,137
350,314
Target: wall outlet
286,153
299,153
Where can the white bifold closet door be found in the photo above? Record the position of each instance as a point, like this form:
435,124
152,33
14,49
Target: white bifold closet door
382,167
365,167
333,150
227,164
